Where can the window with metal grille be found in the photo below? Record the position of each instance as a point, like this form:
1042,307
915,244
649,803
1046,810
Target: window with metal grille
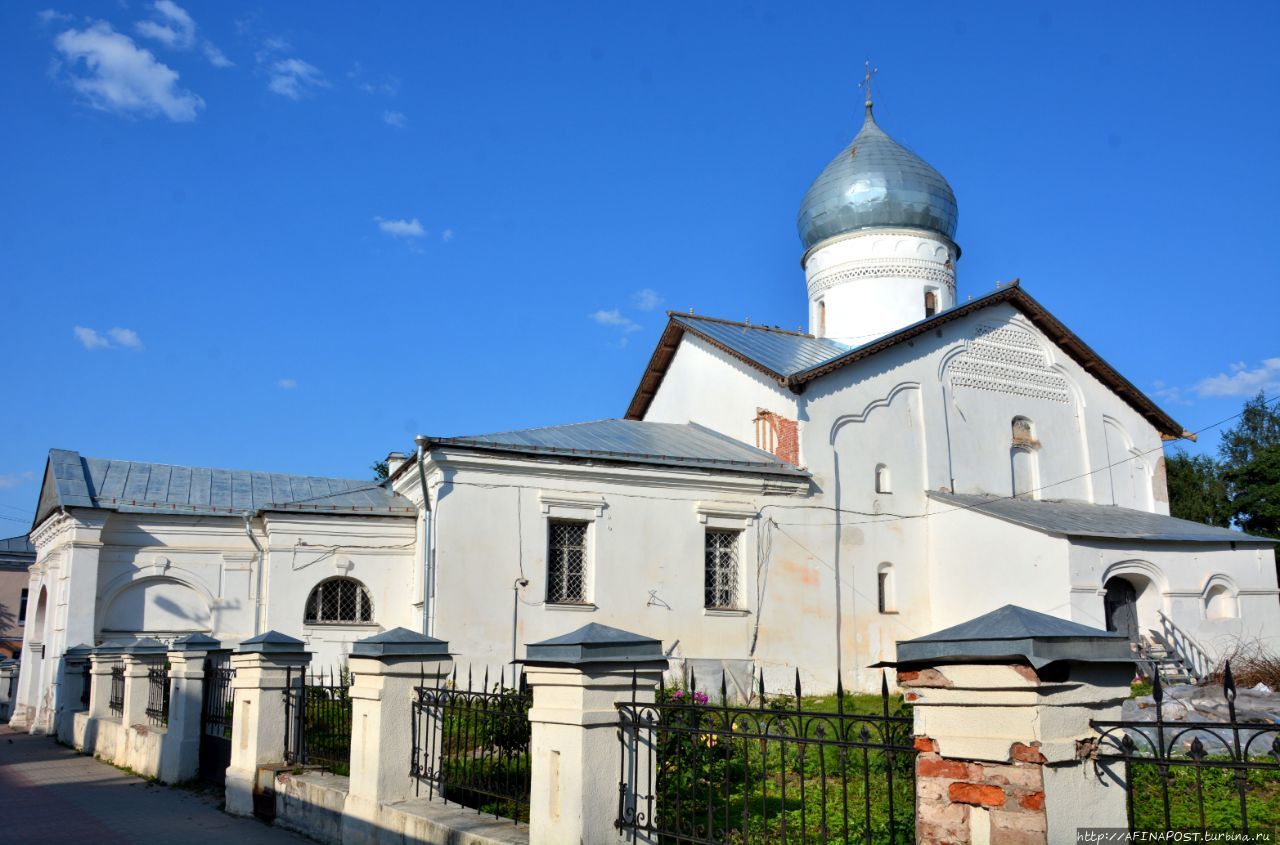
339,601
567,562
722,569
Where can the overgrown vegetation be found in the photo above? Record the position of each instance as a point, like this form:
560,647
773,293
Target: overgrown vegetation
1252,663
1221,798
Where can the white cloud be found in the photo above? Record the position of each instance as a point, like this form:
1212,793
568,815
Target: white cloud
1240,380
614,318
294,78
172,26
48,16
112,338
14,479
114,74
127,338
215,56
90,339
402,228
287,383
394,118
446,235
646,299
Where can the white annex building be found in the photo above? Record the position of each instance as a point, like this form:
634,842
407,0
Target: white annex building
772,501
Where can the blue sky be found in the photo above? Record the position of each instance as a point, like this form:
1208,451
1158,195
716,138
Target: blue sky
288,237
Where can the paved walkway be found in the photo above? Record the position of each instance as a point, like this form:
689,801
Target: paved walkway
50,794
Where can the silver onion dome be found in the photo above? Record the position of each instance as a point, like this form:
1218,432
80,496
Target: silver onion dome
876,182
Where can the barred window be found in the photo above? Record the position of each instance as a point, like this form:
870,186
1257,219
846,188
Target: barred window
567,562
339,601
722,569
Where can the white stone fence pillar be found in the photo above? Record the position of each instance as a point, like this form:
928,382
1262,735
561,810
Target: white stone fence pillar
75,689
1002,707
180,753
265,665
139,658
386,669
104,659
575,749
8,687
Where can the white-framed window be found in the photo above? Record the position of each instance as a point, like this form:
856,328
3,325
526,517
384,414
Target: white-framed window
720,572
884,484
886,602
339,601
567,561
930,302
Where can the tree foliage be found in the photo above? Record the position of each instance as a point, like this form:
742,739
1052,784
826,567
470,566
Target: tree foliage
1258,428
1255,496
1197,490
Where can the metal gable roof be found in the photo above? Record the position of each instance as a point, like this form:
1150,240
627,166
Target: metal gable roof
782,352
631,441
136,486
17,545
1079,519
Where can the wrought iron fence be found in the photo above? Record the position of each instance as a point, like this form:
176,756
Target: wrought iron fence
471,746
86,683
1202,776
318,720
217,708
158,695
116,701
772,771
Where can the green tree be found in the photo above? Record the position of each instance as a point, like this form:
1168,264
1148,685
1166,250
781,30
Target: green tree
1258,428
1255,499
1197,490
380,471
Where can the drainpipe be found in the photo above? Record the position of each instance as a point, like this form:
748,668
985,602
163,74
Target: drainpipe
427,560
262,562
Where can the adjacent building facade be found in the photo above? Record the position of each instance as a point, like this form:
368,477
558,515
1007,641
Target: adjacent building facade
771,502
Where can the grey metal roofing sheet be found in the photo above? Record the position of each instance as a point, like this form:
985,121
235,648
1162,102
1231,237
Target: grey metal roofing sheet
783,352
141,486
17,545
634,441
1079,519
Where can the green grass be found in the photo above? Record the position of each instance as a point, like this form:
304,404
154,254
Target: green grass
1221,796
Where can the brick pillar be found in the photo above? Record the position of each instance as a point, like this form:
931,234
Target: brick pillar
999,751
264,666
386,668
180,753
73,687
574,748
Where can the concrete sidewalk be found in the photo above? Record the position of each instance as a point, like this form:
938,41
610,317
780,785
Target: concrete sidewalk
50,794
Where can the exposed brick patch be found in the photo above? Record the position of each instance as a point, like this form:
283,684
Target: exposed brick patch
1026,671
937,767
779,435
923,678
1026,753
923,743
1032,801
976,793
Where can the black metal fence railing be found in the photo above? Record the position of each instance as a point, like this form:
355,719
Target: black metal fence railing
115,703
217,708
318,720
471,746
86,683
158,695
1219,777
776,771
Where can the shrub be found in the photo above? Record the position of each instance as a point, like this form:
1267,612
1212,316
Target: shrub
1251,663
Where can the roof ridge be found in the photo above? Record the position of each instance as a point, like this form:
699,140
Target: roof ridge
220,469
763,328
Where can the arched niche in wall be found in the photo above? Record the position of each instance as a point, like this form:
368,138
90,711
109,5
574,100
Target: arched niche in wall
155,605
1126,468
1219,598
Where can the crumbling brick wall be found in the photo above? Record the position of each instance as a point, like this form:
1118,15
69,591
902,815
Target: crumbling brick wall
779,435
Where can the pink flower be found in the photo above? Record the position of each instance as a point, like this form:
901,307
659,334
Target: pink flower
699,698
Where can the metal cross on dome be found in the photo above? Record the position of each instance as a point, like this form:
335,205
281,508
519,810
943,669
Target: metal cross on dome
865,85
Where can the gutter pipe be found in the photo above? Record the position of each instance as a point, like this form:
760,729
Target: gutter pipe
262,561
428,568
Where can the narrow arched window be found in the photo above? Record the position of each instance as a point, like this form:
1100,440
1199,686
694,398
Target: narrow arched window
1023,459
883,483
821,319
930,303
339,601
885,600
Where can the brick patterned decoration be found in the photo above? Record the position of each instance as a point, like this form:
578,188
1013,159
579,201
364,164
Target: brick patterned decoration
949,793
779,435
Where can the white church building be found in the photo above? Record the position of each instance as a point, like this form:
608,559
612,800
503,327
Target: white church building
772,501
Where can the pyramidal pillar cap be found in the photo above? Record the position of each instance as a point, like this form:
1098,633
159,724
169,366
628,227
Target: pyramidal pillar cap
1013,633
594,643
400,642
272,642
